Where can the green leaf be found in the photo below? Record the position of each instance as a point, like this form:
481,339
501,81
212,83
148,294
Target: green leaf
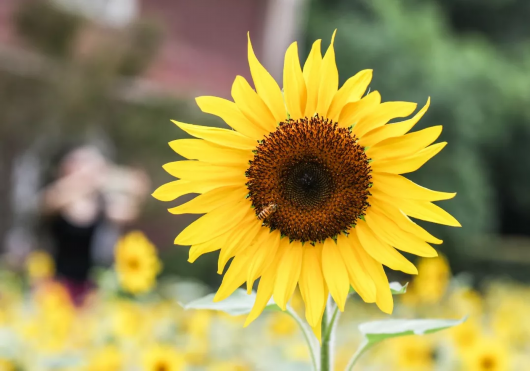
237,304
377,331
397,289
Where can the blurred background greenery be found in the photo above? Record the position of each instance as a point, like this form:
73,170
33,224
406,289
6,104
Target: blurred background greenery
70,75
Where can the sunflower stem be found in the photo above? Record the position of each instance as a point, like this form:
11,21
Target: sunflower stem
329,319
312,342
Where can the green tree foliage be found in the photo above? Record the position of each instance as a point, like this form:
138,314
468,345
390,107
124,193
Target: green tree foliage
480,93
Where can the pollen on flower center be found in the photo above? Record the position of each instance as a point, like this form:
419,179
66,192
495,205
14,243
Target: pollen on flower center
316,175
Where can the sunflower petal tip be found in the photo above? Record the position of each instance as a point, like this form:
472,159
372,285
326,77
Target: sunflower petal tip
333,36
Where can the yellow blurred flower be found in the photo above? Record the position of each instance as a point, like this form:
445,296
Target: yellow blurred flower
466,302
466,335
413,353
198,323
108,358
52,323
126,319
137,263
162,358
6,365
282,325
508,319
431,282
39,265
228,366
487,355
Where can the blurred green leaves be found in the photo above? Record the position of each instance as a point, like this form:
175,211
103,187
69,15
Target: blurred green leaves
479,94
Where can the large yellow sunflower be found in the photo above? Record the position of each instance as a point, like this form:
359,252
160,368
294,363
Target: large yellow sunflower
307,189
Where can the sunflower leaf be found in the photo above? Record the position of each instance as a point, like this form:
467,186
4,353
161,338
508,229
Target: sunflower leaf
237,304
397,289
380,330
377,331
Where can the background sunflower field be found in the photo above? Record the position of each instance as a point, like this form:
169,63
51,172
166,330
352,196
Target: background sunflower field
110,75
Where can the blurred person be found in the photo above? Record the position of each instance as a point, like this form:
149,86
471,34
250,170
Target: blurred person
84,207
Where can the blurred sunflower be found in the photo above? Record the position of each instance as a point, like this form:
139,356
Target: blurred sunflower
107,358
307,189
414,353
162,358
137,263
39,265
487,355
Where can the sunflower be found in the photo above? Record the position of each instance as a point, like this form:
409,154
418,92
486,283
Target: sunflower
137,263
162,358
307,189
487,355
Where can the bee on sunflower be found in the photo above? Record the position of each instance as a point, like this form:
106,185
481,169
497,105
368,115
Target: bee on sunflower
308,187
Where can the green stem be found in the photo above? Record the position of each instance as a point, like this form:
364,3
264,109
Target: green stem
360,351
308,335
329,320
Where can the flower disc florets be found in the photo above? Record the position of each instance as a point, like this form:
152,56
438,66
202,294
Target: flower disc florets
315,174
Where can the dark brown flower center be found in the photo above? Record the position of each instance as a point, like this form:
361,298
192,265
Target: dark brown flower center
309,179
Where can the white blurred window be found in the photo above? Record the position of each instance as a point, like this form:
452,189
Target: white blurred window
114,13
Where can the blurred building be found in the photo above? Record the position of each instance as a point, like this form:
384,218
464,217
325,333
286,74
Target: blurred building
204,41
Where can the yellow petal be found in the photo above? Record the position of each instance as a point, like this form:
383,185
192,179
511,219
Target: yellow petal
212,245
264,253
213,224
252,106
295,91
288,271
407,164
384,206
427,211
177,188
359,277
198,149
311,74
317,328
223,137
248,229
392,130
389,232
381,115
404,145
311,283
352,90
353,112
197,170
381,251
234,277
265,287
266,87
335,273
229,112
211,200
329,80
384,299
400,186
